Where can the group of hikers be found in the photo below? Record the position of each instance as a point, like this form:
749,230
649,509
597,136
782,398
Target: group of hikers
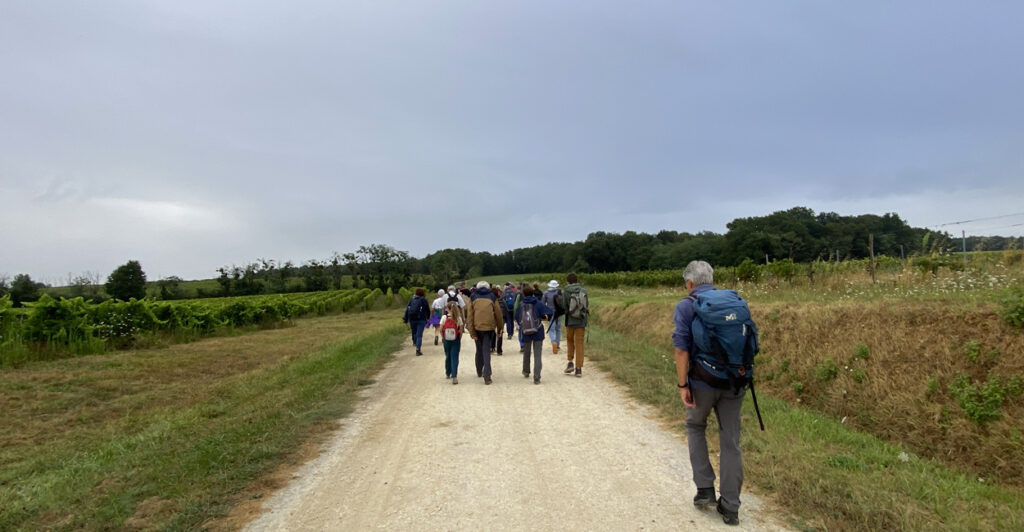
489,313
714,337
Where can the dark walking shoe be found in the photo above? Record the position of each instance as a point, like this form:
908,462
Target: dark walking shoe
510,337
569,368
536,381
435,340
704,498
487,380
455,380
526,374
729,518
419,353
579,372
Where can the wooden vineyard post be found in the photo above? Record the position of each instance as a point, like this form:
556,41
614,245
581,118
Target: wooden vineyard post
871,251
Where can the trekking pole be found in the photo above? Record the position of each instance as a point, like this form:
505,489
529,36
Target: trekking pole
756,409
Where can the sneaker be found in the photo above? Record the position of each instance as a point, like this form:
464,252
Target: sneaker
435,340
499,353
536,381
509,336
447,376
704,498
579,372
522,350
526,374
455,380
569,368
419,353
729,518
487,380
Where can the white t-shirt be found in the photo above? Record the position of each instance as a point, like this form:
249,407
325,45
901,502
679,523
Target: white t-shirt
439,302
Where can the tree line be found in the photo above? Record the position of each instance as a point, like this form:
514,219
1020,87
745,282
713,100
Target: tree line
798,234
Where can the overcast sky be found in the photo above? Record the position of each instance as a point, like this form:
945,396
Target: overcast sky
190,135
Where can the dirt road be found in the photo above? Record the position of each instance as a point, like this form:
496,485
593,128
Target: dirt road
568,454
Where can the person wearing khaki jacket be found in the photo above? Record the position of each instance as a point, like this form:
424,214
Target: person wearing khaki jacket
484,321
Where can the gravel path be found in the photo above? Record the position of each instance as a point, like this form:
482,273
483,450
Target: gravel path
568,454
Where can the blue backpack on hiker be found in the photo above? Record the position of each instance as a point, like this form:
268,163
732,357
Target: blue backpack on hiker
724,338
724,341
510,299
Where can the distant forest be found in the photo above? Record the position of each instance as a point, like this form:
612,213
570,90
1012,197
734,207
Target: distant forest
797,234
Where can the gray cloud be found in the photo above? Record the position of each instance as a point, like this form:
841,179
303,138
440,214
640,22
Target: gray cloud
194,134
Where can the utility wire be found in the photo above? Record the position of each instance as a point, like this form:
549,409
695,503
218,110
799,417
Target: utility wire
978,220
997,227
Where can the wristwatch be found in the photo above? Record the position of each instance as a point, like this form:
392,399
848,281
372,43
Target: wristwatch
687,385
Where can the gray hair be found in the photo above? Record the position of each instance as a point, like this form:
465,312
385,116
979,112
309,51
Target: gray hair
483,284
699,272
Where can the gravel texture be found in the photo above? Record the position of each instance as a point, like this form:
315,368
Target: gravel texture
569,454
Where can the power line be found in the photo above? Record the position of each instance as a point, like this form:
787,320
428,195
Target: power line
978,220
997,227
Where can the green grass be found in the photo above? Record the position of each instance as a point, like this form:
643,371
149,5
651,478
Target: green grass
176,467
826,475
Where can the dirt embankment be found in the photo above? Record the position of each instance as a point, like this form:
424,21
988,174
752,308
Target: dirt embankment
888,367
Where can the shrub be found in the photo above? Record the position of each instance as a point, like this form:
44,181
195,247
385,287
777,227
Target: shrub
861,351
972,349
798,387
1013,307
827,370
858,375
981,402
748,271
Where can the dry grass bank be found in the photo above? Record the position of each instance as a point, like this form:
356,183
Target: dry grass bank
169,438
900,370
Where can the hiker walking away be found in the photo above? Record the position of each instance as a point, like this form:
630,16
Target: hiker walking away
529,316
515,306
711,379
552,298
452,326
496,345
508,303
483,321
416,314
437,308
577,307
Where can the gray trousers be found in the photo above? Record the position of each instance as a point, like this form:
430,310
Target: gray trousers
536,346
726,405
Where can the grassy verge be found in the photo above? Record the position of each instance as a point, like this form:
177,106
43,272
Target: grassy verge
832,477
153,440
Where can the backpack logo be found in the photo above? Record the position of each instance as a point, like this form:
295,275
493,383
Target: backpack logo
731,317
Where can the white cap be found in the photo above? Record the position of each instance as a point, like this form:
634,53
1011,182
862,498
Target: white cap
552,284
483,284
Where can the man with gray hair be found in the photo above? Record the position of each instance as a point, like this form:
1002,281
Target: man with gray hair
484,321
700,398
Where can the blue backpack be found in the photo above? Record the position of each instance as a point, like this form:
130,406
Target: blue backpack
510,299
724,339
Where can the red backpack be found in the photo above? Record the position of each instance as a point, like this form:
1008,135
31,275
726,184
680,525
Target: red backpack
450,330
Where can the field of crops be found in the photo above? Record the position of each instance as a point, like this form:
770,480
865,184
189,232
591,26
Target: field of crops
53,328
